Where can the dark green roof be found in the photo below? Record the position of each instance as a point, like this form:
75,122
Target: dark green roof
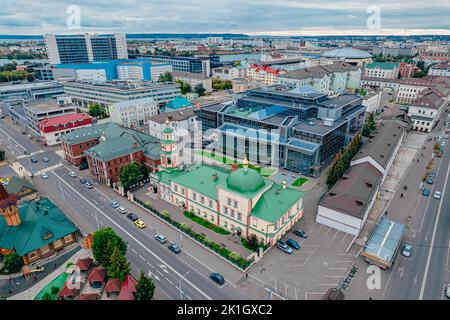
16,184
41,224
275,202
383,65
243,180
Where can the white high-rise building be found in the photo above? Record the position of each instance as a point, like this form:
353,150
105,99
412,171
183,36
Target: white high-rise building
84,48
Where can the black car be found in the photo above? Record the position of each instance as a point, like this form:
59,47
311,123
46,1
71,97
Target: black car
83,166
174,248
34,160
300,233
83,181
132,217
217,277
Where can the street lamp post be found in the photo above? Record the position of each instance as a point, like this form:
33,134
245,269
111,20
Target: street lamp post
181,278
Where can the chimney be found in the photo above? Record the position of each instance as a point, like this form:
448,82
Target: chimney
135,145
215,177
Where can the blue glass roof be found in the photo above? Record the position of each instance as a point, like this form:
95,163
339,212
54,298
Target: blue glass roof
242,131
311,146
385,239
267,112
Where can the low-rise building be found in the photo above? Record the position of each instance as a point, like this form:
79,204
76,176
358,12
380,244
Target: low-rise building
193,79
28,114
425,111
241,201
31,90
107,147
84,93
183,122
242,84
382,70
441,69
33,229
372,101
52,129
133,113
265,74
337,77
347,204
408,70
229,72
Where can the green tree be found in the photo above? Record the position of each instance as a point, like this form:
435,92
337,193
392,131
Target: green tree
103,242
130,174
200,89
12,263
54,290
237,63
165,77
96,110
145,288
47,296
118,265
185,88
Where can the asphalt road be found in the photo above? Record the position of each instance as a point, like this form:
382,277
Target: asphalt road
15,142
92,210
425,274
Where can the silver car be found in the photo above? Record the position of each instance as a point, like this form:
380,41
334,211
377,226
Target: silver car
447,291
407,250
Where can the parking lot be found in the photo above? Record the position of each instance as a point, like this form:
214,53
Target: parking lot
308,273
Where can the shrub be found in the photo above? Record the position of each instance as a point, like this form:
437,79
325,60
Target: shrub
54,290
148,204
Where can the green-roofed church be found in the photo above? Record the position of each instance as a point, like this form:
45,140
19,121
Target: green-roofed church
241,201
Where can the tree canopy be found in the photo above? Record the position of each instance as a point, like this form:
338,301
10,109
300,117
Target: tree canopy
200,89
165,77
103,243
118,265
145,288
96,110
130,174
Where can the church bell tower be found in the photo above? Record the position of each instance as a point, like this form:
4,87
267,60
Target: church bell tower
9,208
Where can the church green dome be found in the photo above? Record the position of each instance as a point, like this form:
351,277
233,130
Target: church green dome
243,180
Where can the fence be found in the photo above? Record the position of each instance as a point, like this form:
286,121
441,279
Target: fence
225,253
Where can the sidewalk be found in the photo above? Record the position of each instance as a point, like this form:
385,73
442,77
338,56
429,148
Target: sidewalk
231,242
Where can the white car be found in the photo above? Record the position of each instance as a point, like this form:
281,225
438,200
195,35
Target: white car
72,174
122,210
44,175
437,195
447,291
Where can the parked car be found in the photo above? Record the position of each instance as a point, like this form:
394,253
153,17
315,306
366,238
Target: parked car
83,181
34,160
88,185
445,136
174,248
407,250
447,291
132,217
30,136
439,154
121,210
45,159
72,174
430,180
114,204
293,244
437,195
217,277
443,143
432,174
300,233
83,166
44,175
140,224
284,247
426,192
160,238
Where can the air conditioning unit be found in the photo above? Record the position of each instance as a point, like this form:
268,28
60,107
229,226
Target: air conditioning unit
328,122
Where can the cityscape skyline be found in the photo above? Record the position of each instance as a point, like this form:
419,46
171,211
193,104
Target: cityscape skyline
283,18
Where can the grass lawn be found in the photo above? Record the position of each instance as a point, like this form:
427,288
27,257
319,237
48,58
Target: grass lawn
57,282
299,182
206,223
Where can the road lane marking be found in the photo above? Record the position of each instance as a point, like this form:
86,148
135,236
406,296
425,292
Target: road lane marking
427,266
136,240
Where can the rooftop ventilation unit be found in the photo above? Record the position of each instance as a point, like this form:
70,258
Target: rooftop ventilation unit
328,122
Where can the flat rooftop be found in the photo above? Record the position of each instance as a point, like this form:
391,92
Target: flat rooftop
317,126
46,105
340,101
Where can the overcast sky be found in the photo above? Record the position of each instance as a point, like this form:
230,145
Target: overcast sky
276,17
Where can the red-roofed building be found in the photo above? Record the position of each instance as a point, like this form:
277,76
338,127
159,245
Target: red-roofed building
84,264
97,276
112,287
51,129
266,74
128,288
67,293
88,296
